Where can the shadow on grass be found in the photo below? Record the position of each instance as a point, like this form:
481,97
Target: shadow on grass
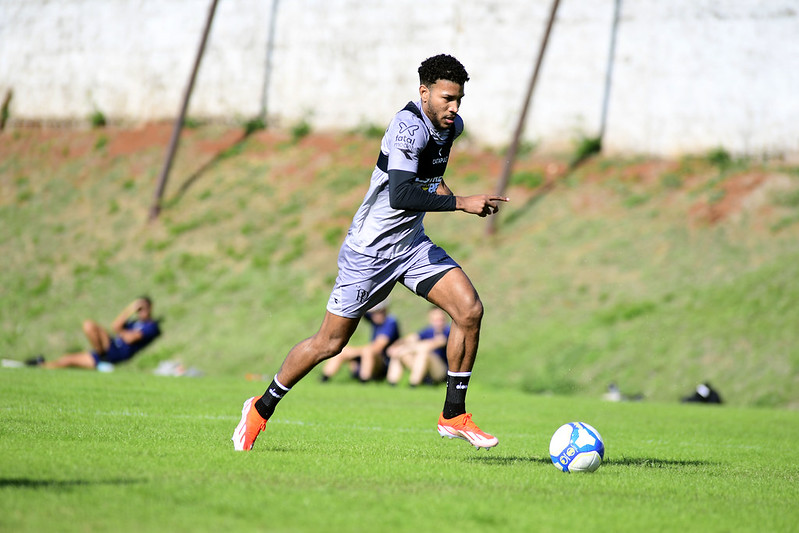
223,154
531,202
645,462
27,483
505,461
649,462
583,155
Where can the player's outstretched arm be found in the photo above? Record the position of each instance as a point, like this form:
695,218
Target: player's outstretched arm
479,204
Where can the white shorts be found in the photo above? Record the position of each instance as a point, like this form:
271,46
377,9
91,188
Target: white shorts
364,281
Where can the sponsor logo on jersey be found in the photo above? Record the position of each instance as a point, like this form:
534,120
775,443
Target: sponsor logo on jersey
406,133
441,157
403,128
429,185
407,141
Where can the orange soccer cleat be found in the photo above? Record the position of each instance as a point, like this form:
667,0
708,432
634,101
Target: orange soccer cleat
249,427
462,427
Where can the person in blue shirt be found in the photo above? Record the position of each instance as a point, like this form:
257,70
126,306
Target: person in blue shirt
133,329
370,361
423,353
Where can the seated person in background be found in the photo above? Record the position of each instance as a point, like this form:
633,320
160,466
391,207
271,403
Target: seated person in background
368,362
134,329
424,353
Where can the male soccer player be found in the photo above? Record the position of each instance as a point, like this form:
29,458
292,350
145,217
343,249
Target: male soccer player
386,244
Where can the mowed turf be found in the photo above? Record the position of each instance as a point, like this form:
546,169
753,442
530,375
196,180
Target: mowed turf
128,451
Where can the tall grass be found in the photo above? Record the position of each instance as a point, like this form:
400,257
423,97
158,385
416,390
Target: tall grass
617,272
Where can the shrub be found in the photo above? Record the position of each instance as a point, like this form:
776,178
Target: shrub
97,119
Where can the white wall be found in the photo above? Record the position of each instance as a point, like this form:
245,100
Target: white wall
689,75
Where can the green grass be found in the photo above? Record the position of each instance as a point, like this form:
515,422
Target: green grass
652,274
127,451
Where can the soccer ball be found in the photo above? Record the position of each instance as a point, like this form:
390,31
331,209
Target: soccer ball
576,447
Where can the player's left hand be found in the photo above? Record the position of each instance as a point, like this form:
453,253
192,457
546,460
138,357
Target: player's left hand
481,205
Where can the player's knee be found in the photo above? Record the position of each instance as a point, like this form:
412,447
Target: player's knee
471,315
327,348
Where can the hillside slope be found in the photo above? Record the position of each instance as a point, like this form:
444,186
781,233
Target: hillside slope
651,274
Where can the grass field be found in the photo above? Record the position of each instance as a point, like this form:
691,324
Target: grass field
84,451
655,274
652,274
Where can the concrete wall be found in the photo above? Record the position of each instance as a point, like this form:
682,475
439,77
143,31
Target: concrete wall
688,75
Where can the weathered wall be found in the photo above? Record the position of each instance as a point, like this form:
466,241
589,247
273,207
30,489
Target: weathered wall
689,75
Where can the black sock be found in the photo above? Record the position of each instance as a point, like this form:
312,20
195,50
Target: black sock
455,402
267,403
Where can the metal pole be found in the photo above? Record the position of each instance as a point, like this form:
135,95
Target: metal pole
155,209
270,48
514,146
609,72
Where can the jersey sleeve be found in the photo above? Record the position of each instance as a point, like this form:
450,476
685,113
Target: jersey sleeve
404,194
407,137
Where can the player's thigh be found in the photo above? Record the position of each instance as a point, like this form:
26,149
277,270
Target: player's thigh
455,294
425,267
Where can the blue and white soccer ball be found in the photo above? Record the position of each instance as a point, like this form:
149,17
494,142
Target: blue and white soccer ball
576,447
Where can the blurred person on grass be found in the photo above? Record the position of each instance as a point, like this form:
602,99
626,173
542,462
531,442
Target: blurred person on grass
131,331
370,361
424,353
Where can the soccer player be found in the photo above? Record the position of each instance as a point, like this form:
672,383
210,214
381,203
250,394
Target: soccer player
386,244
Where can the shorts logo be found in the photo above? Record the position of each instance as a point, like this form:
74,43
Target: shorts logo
361,295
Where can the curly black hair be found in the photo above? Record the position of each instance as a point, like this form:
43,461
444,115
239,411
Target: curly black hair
442,67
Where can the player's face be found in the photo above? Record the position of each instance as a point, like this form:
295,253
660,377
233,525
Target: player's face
440,102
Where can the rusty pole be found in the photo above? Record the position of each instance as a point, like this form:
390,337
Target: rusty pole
510,159
155,209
